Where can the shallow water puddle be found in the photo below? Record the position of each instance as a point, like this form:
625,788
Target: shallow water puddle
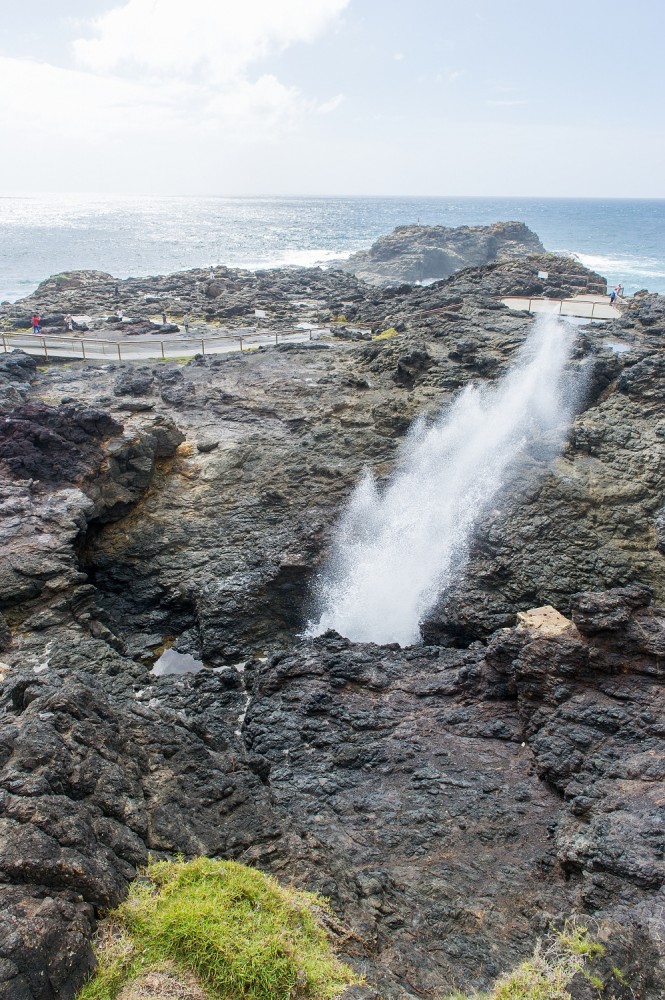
617,347
171,662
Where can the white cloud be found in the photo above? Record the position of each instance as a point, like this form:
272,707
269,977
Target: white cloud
85,108
449,76
331,105
213,40
57,101
398,56
154,74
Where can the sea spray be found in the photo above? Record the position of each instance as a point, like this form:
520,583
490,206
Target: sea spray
397,549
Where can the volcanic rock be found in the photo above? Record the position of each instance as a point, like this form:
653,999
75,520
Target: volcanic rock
486,790
452,799
429,253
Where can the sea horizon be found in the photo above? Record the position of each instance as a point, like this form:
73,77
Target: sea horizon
138,235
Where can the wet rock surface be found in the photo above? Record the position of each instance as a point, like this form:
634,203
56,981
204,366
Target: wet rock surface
449,802
451,799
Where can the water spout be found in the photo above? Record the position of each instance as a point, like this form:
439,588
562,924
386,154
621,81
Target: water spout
396,550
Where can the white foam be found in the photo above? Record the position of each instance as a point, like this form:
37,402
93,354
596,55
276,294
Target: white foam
647,267
397,549
298,258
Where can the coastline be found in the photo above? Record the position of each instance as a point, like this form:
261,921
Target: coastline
142,236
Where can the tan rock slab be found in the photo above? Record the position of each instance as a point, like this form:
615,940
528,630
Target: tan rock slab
546,621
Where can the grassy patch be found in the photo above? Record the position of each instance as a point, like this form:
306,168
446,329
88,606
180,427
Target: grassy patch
549,972
575,940
618,974
386,334
242,935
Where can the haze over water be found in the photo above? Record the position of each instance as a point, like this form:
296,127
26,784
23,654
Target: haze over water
42,235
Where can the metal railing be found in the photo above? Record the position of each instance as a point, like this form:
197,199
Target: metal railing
563,307
89,349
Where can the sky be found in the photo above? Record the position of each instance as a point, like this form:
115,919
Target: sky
333,97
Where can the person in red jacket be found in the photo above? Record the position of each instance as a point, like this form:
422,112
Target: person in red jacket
36,328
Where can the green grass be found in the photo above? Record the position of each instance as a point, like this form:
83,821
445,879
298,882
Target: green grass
575,940
242,935
548,973
386,334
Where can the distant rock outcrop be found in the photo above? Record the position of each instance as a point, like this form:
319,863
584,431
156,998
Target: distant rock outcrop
428,253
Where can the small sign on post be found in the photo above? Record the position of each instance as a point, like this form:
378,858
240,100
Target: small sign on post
260,313
544,275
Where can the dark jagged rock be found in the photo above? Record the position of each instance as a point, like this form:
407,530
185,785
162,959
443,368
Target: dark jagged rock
429,253
5,634
54,444
18,366
449,798
134,382
449,802
45,942
17,370
88,788
287,296
79,474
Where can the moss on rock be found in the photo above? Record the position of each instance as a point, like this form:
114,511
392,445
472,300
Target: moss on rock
235,929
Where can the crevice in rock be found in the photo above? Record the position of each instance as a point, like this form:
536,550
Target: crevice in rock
286,597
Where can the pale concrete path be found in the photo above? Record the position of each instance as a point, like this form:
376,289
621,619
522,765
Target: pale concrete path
581,306
90,349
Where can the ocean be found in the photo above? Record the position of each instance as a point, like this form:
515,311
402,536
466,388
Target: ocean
42,235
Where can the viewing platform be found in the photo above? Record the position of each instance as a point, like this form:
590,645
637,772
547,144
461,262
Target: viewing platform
50,346
587,306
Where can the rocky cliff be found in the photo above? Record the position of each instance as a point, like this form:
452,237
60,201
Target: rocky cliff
451,799
429,253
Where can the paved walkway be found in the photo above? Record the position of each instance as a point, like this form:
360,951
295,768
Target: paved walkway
135,349
582,306
144,349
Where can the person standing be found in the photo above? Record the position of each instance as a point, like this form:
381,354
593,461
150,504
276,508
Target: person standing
185,322
163,319
613,295
36,327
